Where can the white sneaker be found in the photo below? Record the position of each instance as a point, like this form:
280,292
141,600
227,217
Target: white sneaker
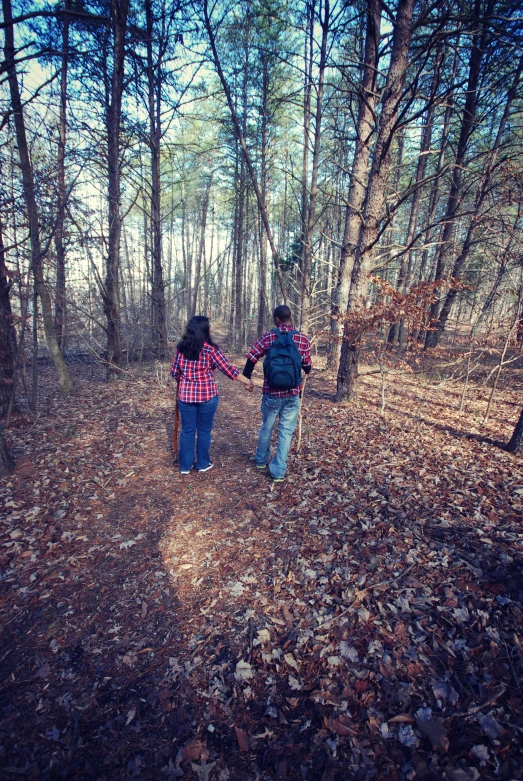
206,468
185,473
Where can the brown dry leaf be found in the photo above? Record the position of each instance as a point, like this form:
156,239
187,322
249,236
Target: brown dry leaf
243,739
336,725
144,610
203,771
192,750
436,733
402,718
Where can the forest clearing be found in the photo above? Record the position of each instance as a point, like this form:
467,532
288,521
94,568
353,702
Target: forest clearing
361,620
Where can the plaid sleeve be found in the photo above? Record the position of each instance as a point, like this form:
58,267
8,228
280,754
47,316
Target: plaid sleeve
259,348
304,346
175,368
219,361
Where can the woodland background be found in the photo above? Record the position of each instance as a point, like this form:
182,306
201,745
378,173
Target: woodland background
360,161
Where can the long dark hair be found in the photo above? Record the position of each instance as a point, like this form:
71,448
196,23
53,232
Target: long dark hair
197,332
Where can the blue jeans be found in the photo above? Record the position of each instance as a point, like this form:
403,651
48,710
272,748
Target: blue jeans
287,407
196,418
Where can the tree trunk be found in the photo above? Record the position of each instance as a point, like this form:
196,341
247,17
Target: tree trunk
358,179
479,41
308,50
243,144
59,311
186,290
435,190
7,463
375,198
201,248
154,85
7,336
460,261
262,282
110,293
33,399
516,441
236,251
241,231
313,190
407,259
207,264
31,204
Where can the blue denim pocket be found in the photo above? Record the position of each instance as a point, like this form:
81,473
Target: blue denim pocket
271,402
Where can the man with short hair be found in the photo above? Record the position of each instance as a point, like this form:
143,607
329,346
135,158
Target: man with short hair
279,401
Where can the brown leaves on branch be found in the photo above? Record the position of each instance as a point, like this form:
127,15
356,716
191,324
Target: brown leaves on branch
391,306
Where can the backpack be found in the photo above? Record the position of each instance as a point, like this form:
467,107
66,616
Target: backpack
282,364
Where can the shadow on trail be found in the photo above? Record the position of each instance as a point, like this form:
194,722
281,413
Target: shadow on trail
452,430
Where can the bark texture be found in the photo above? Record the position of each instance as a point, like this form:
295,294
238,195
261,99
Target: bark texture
32,206
359,176
375,196
516,441
7,337
154,84
60,299
467,127
7,463
481,195
245,152
306,265
110,291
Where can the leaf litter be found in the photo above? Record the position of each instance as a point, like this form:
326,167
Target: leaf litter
360,620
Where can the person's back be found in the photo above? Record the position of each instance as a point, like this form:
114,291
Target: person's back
193,368
282,399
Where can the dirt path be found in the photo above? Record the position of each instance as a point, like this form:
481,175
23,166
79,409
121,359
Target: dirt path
357,621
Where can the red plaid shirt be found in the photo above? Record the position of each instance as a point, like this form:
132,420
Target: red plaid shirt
197,383
261,347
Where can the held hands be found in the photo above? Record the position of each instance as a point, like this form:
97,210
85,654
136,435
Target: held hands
247,382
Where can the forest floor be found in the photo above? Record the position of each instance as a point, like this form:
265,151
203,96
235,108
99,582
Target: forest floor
363,619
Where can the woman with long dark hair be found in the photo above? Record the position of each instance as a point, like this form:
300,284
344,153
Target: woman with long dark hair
197,356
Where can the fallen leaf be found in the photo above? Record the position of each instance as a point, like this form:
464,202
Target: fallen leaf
44,671
295,684
244,671
406,736
192,749
291,661
337,726
203,770
243,739
436,733
402,718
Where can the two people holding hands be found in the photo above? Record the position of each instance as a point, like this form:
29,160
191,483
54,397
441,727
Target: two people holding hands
195,361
